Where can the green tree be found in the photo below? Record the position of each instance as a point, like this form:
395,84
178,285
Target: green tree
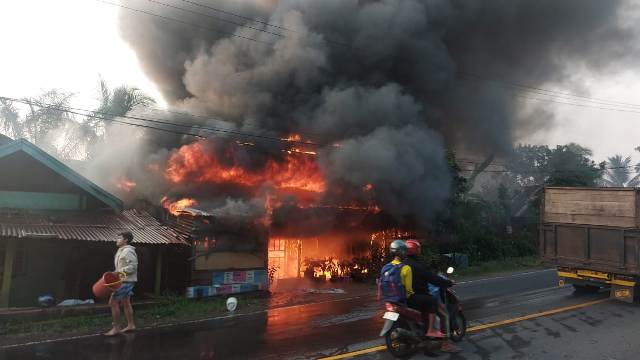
41,120
569,168
618,172
117,102
565,165
46,123
529,165
113,103
50,124
10,123
445,220
635,181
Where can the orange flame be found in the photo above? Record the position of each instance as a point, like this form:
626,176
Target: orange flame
176,206
126,184
193,163
300,151
295,138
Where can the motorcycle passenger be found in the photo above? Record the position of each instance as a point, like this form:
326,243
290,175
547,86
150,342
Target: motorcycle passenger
398,251
421,278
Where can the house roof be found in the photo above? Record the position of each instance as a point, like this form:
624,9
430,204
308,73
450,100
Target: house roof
61,169
5,139
89,227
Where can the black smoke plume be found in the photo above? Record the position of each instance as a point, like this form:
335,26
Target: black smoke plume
393,82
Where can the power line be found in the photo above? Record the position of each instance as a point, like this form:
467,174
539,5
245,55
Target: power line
579,105
547,92
166,18
155,121
522,87
627,107
213,17
91,114
71,111
554,170
328,40
209,118
237,15
517,86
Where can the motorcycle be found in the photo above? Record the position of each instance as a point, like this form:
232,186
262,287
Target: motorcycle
404,327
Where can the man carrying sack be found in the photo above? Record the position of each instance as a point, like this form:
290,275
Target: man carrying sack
126,264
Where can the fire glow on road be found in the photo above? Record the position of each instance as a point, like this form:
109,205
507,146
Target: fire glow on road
481,327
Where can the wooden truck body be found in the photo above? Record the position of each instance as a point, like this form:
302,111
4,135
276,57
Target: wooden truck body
592,236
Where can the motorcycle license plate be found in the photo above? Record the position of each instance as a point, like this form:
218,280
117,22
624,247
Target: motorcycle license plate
393,316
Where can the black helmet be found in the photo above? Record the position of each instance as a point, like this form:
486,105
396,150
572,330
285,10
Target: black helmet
398,248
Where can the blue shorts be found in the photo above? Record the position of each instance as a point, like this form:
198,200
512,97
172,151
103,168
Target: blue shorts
125,291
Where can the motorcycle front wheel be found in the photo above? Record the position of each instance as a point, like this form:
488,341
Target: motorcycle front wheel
398,347
458,326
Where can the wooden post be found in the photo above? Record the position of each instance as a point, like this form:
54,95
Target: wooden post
158,280
299,257
7,274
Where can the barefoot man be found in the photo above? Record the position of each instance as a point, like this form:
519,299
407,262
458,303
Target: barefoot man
126,262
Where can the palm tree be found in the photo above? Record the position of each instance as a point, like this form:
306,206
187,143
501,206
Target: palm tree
10,123
41,121
47,123
113,103
118,102
635,181
618,172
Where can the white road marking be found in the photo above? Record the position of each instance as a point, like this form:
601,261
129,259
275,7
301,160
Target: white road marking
505,276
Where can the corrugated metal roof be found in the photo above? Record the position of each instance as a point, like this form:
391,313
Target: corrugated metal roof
104,227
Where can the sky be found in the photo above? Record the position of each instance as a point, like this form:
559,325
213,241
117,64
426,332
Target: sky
606,132
69,44
65,45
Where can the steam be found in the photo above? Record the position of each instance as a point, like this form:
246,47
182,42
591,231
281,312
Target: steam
235,208
388,80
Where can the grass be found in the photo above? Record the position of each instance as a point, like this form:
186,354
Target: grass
499,266
169,309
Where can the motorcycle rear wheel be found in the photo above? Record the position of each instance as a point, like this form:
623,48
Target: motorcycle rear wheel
398,347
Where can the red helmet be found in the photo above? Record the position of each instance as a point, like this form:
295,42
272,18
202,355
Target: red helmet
413,247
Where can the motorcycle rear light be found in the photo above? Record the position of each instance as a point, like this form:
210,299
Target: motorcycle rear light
390,307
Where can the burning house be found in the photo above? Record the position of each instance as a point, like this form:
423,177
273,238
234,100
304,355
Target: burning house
229,255
330,242
279,220
325,115
58,231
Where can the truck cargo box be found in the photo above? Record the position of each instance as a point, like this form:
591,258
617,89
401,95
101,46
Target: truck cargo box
616,207
591,228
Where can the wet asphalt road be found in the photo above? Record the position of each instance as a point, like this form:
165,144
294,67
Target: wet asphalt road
605,331
306,331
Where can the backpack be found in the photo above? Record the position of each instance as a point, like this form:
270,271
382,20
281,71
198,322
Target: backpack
390,284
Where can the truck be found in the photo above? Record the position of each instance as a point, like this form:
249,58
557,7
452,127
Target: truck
592,237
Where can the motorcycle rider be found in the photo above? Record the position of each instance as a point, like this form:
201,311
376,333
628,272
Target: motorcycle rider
422,301
422,277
